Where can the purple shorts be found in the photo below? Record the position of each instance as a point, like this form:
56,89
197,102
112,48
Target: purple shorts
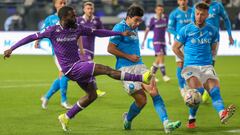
160,49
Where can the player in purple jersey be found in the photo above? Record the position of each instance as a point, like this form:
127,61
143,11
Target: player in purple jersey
159,25
88,19
64,39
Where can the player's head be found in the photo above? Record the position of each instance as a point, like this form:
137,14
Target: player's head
67,17
59,4
182,3
159,9
201,13
88,8
134,16
207,1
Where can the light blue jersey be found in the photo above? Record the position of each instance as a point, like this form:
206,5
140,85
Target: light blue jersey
197,43
217,11
177,19
128,45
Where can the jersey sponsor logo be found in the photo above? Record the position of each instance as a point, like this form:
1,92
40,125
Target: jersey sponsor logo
204,41
161,25
66,39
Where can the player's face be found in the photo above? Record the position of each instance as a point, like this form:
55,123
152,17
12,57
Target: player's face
200,16
159,10
59,4
70,19
134,22
88,10
182,3
207,1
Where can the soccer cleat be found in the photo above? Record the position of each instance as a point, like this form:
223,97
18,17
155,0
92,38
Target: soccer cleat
100,93
170,126
126,123
44,102
205,97
191,124
227,113
166,78
63,121
66,105
147,76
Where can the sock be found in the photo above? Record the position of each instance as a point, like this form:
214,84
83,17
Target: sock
160,108
63,88
181,80
131,77
217,100
133,111
154,68
54,88
162,69
193,110
74,110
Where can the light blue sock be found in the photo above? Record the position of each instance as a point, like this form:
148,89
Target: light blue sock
160,108
217,100
54,88
133,111
181,81
193,110
63,88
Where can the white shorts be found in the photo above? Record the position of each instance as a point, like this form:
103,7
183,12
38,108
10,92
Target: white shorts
57,63
177,58
135,69
203,73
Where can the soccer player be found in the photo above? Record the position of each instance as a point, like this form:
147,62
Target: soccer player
64,38
127,52
61,82
216,11
159,26
199,40
88,19
178,18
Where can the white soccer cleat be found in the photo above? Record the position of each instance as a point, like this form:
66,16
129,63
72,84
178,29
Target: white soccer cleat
44,102
166,78
66,105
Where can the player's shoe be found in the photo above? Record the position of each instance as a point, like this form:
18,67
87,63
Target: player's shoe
66,105
170,126
205,97
227,113
126,123
44,102
166,78
147,76
100,93
191,124
63,121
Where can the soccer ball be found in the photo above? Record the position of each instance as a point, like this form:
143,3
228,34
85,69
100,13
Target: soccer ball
192,98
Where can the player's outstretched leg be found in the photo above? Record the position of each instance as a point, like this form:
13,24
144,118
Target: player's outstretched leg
120,75
205,97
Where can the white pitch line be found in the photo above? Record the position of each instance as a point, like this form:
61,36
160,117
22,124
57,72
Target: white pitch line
234,131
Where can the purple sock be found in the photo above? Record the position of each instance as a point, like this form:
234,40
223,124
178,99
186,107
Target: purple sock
72,112
162,69
154,69
132,77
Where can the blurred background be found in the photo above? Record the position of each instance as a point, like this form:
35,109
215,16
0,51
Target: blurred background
27,15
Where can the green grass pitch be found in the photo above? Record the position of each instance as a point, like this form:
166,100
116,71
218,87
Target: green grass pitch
24,79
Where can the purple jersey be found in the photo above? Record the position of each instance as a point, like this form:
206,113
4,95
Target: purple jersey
89,41
159,27
64,42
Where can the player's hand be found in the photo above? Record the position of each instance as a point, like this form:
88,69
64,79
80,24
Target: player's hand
127,33
169,42
231,41
7,53
133,58
36,44
142,46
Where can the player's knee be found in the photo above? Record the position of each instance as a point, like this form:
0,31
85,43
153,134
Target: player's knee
92,96
142,102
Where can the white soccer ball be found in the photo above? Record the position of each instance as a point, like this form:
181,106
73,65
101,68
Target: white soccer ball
192,98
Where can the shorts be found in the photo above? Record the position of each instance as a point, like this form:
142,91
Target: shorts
159,48
135,69
203,73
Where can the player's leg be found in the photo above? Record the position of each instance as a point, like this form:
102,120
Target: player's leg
82,103
181,81
63,89
119,75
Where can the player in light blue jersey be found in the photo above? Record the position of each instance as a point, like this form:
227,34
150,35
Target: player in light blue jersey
178,18
216,11
127,52
61,82
199,40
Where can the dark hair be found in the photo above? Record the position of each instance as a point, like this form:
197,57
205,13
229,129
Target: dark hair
64,11
159,5
202,5
135,11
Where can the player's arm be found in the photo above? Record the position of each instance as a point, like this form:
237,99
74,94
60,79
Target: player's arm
172,24
44,25
177,49
145,36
